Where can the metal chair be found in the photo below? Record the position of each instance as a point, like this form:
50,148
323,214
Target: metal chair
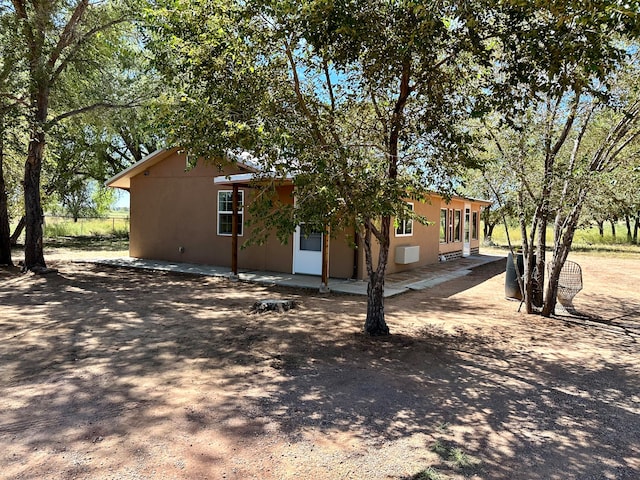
569,284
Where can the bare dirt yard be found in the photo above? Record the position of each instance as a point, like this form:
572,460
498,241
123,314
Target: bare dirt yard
118,374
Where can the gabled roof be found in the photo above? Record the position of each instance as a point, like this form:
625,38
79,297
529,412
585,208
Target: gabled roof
123,179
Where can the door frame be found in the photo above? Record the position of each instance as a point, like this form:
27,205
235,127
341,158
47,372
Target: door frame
299,264
466,230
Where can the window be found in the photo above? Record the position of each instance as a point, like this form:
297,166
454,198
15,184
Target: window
456,226
474,226
310,240
405,227
450,225
443,225
225,212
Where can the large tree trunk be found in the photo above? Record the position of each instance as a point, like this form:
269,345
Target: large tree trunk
613,227
33,245
636,226
563,239
5,233
375,323
600,227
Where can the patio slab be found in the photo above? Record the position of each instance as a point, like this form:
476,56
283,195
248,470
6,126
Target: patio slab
395,284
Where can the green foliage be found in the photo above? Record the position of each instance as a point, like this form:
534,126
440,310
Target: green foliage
456,457
428,474
363,105
586,239
311,91
70,52
79,198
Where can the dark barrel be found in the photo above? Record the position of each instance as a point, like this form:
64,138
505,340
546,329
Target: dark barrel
511,286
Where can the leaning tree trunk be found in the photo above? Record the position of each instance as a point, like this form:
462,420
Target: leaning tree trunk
560,253
17,231
5,233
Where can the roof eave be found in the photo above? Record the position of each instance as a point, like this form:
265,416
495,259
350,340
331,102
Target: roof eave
123,179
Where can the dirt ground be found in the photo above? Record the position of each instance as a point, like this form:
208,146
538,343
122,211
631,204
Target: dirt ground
119,374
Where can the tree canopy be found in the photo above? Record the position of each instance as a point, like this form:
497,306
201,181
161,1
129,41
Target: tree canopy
69,58
363,104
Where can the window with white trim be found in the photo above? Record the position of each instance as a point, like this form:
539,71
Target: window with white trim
443,225
405,227
225,212
457,234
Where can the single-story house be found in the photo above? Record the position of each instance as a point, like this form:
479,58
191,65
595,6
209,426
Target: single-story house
184,214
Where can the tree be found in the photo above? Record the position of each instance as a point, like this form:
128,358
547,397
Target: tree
5,233
61,41
11,99
84,198
359,102
93,148
565,58
495,181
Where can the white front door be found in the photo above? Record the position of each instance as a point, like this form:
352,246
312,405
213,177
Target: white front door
466,245
307,251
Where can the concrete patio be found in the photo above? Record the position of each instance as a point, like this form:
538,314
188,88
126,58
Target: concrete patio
395,284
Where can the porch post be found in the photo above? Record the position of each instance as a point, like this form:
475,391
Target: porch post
234,233
324,285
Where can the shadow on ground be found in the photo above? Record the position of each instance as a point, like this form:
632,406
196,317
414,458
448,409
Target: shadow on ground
110,366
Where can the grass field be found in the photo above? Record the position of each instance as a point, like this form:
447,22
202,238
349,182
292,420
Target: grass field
585,240
116,224
66,227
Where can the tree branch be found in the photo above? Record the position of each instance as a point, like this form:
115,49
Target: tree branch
21,12
301,102
381,118
81,41
17,100
88,108
68,33
568,124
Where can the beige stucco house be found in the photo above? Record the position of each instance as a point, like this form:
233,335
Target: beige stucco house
184,215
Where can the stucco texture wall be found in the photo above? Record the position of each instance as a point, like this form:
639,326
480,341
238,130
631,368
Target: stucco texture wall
174,217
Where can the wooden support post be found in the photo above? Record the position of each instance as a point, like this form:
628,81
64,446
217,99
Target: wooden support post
234,232
324,285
